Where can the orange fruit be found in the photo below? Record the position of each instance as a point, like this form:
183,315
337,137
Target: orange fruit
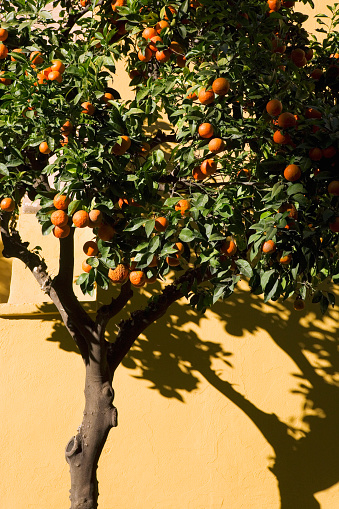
173,261
61,201
172,10
208,167
278,46
59,218
163,56
88,108
161,224
206,96
5,81
118,3
228,248
297,55
148,33
329,152
293,213
269,247
299,305
198,174
334,225
144,149
60,232
153,44
44,148
316,74
90,248
161,25
286,120
137,278
181,61
16,50
3,34
333,188
183,206
80,219
192,95
57,65
67,128
175,47
206,130
292,172
86,267
285,260
120,150
3,51
95,218
315,154
119,274
312,113
180,247
274,5
216,145
55,76
36,58
309,54
106,232
221,86
274,107
7,204
154,262
281,139
146,56
150,280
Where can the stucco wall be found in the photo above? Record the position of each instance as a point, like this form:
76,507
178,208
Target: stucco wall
195,402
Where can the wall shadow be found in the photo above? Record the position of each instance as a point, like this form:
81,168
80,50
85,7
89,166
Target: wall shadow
174,361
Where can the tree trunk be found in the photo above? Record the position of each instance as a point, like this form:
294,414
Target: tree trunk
84,449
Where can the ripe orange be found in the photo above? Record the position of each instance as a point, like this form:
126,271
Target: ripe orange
181,61
173,261
293,213
281,139
80,219
137,278
106,232
292,172
183,206
309,54
315,154
278,46
192,95
119,274
86,267
274,5
161,25
90,248
5,81
57,65
297,55
149,32
299,305
153,44
120,150
334,225
7,204
269,247
61,201
150,280
175,47
146,56
172,10
55,76
333,188
60,232
206,130
180,247
216,145
88,108
36,58
16,50
220,86
228,247
67,128
161,224
117,3
154,262
208,167
286,120
312,113
95,218
206,96
59,218
198,174
3,51
163,56
3,34
285,260
274,107
44,148
329,152
316,74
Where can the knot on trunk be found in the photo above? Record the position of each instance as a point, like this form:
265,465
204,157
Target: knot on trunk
85,504
74,446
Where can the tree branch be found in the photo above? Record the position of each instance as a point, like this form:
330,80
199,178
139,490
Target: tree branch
139,320
73,18
106,312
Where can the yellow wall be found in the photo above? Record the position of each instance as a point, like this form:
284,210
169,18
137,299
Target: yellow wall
186,439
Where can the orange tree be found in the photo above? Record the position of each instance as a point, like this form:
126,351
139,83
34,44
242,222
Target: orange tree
249,188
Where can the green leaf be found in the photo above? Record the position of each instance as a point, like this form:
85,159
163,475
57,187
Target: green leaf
135,224
149,226
186,235
82,278
244,268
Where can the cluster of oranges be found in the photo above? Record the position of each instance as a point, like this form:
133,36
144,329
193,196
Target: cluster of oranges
153,38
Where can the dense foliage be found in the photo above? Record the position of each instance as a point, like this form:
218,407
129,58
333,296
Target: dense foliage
252,192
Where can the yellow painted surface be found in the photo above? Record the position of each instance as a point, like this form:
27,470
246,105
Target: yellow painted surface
185,439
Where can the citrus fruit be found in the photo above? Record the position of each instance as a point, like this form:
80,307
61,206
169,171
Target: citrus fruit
95,218
286,259
333,188
161,224
145,56
90,248
80,219
161,25
274,107
315,154
55,76
148,33
180,247
61,201
154,262
7,204
206,96
106,232
60,232
206,130
119,274
59,218
216,145
36,58
282,139
137,278
299,305
286,120
228,247
221,86
88,108
173,261
44,148
208,167
292,172
3,51
183,206
3,34
163,56
57,65
121,149
269,247
86,267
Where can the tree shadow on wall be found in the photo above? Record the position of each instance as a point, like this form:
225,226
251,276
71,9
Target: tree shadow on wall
305,462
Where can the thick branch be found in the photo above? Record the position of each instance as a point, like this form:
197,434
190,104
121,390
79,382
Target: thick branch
106,312
139,320
66,261
73,18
